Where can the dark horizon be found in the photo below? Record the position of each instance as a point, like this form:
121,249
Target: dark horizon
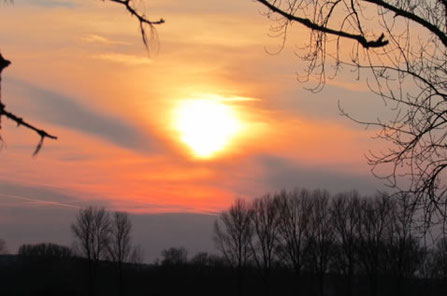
306,241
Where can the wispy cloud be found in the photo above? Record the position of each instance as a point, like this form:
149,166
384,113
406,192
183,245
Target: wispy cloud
239,99
93,38
36,202
51,3
127,59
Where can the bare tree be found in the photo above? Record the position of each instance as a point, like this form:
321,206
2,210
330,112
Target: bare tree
200,259
320,236
119,247
233,233
148,34
265,217
136,255
400,48
440,259
346,213
92,233
3,249
404,254
294,208
174,256
376,215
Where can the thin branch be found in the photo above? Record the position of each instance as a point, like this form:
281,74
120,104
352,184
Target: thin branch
142,19
43,134
380,42
18,120
400,12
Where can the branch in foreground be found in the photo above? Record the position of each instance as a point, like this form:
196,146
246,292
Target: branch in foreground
380,42
142,19
3,112
411,16
43,134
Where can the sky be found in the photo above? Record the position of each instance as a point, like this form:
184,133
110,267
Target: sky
80,71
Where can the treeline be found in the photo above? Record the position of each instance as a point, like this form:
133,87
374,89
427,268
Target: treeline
364,244
102,246
293,242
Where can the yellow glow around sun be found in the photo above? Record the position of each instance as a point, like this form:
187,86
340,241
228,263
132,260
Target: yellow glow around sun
207,126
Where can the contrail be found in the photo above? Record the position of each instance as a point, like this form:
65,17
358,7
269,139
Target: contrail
38,201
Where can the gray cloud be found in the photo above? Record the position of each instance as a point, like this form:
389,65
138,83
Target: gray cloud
282,173
47,106
51,3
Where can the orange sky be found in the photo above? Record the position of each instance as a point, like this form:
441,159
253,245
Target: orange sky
80,71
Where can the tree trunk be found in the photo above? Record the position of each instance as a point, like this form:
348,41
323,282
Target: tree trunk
120,279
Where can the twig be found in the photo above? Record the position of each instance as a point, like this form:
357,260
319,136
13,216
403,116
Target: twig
3,112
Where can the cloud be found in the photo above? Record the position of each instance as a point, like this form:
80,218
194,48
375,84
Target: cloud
93,38
239,99
54,108
51,3
281,173
127,59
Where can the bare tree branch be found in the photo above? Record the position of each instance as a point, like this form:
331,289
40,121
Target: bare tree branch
379,42
18,120
142,19
411,16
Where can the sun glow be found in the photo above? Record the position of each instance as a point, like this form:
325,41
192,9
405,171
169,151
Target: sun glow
207,126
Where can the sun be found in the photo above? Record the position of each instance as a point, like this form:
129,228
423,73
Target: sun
207,126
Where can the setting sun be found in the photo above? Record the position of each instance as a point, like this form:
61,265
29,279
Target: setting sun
206,126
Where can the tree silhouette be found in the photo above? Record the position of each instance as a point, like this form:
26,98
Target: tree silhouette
136,255
343,244
3,249
400,48
346,215
404,254
293,224
119,246
265,217
174,256
440,259
320,236
376,215
233,233
45,250
92,233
